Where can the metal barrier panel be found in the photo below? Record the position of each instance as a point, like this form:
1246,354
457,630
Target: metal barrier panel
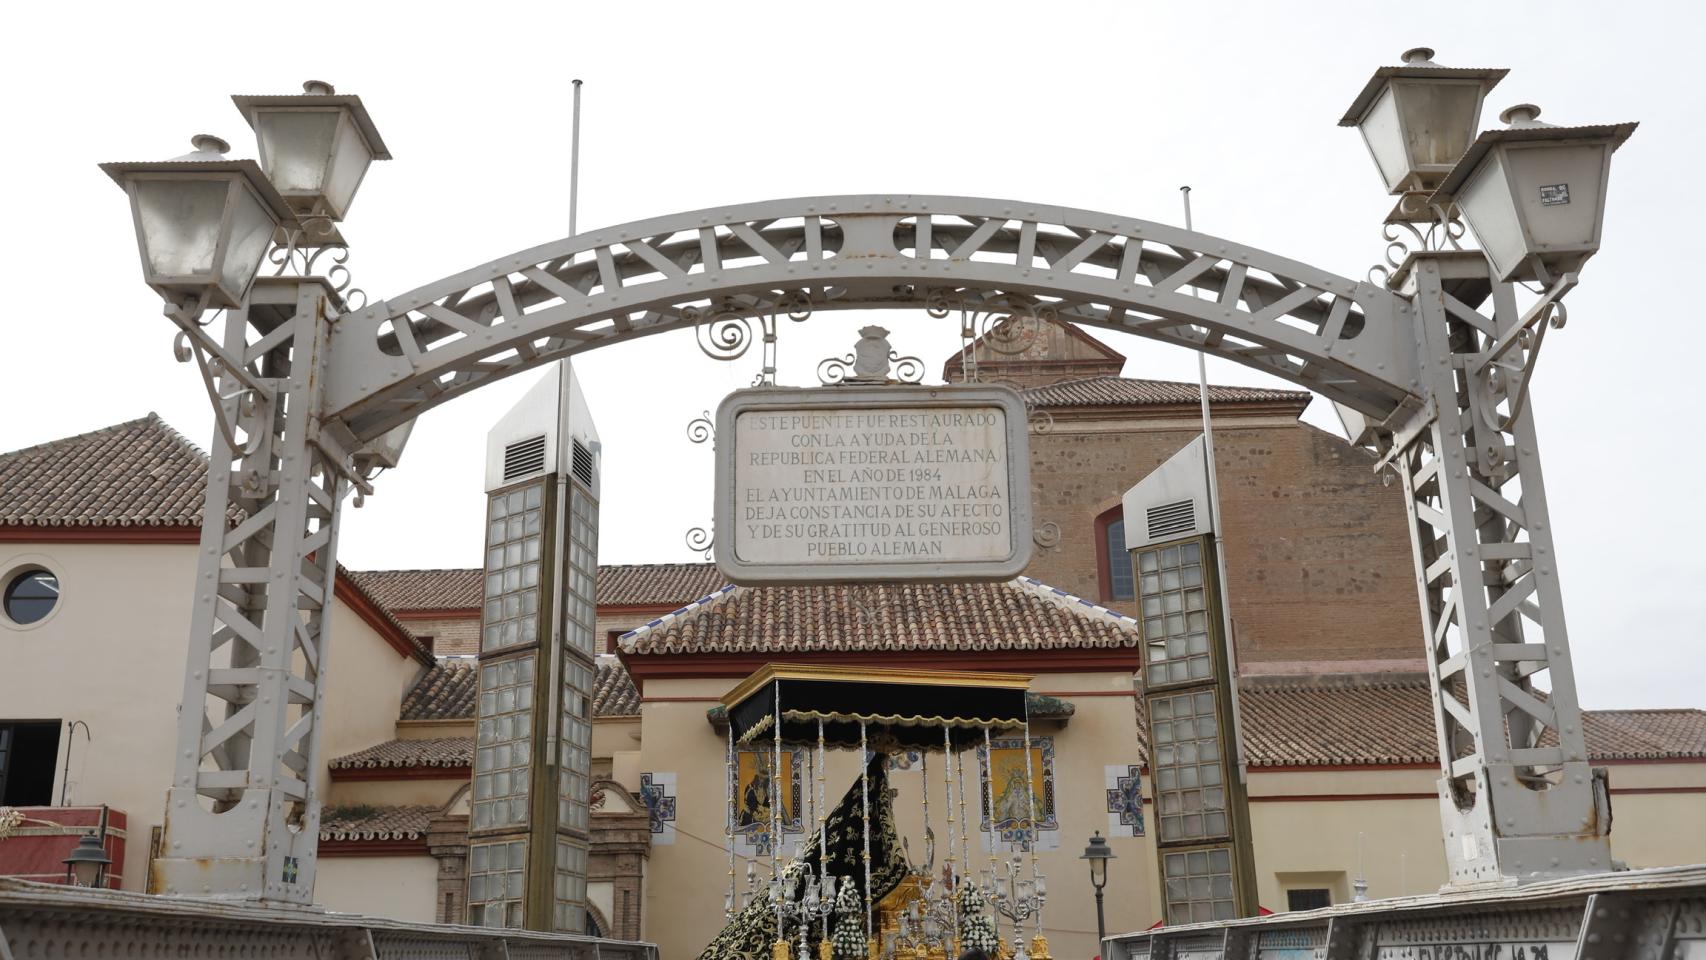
52,922
1633,915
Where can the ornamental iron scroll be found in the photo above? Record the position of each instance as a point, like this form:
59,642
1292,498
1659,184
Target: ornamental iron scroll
297,251
1007,329
701,540
1417,224
701,429
871,361
726,333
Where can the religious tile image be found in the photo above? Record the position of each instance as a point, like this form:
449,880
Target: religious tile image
658,792
1123,785
1005,791
904,760
755,793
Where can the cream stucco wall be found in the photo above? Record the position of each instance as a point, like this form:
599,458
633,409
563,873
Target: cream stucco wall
401,888
365,681
1311,827
676,737
112,654
618,741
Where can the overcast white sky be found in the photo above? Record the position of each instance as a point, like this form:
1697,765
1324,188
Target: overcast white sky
1103,106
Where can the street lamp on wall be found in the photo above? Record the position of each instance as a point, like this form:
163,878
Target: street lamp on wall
1098,853
1417,119
1534,193
203,223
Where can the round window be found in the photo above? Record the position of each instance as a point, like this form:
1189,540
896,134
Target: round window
31,595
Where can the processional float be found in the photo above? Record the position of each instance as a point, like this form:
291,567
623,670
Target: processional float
849,892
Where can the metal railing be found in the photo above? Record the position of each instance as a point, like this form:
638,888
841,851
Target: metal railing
41,921
1657,914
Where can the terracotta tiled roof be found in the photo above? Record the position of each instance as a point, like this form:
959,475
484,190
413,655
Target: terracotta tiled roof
452,589
366,822
445,693
433,752
614,693
1127,392
1645,734
1362,722
140,473
136,474
448,690
629,584
656,584
1020,614
1310,724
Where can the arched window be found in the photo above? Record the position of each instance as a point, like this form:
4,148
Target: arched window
1113,561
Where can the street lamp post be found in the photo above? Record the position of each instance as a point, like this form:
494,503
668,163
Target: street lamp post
1534,196
243,807
87,864
1098,853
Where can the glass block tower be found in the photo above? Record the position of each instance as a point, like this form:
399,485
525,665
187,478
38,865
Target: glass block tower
528,828
1202,813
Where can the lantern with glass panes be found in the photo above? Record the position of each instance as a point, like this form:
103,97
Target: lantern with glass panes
1417,119
87,864
1534,193
203,223
315,147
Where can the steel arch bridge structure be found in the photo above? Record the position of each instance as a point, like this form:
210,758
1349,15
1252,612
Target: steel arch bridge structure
305,388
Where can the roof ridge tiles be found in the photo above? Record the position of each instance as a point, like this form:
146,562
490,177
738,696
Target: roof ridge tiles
148,417
1113,390
1018,614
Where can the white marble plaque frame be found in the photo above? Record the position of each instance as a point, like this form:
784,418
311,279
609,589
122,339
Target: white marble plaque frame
752,558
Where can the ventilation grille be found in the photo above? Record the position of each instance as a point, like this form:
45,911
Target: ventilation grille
524,457
1172,519
582,467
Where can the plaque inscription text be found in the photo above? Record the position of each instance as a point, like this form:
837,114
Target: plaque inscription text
872,485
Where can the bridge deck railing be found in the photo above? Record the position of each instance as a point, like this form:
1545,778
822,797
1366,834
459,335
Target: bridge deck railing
1657,914
51,922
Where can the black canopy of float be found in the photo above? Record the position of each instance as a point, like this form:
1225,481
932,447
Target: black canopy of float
901,708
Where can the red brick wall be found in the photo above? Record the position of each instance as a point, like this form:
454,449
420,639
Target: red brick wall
37,848
1318,557
453,635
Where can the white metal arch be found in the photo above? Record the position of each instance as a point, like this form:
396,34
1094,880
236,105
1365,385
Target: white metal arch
304,386
1351,341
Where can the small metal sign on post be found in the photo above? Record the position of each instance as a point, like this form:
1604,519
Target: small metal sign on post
872,480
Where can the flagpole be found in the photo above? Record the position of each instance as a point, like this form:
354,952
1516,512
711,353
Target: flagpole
1219,541
575,162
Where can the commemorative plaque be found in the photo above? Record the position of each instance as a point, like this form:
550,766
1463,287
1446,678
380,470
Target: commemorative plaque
884,482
